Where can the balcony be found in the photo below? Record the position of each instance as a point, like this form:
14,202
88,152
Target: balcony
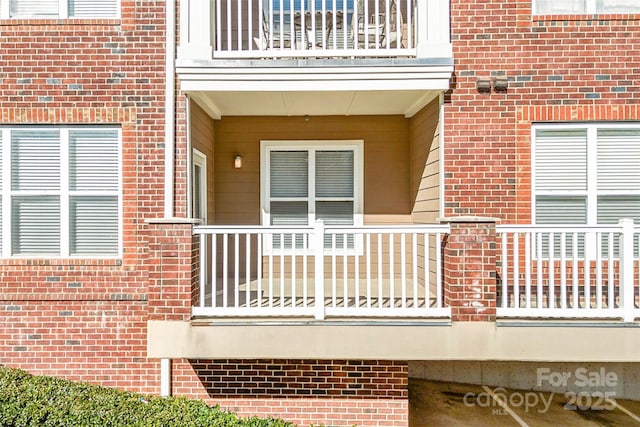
325,272
320,57
403,292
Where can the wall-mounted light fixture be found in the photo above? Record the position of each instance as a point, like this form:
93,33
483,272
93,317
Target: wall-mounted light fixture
500,84
483,85
237,161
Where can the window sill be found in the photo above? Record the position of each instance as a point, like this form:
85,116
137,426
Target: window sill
88,261
586,17
60,21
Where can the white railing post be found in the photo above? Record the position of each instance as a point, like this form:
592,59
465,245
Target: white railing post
627,300
318,242
433,21
196,24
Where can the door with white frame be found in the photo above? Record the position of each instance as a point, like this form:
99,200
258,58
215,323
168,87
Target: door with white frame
199,186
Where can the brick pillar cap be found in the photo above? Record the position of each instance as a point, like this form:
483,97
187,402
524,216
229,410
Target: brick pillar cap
470,219
194,221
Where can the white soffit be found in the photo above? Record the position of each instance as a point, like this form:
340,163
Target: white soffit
353,103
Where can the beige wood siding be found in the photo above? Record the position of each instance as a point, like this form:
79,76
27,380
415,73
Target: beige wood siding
425,164
202,139
386,156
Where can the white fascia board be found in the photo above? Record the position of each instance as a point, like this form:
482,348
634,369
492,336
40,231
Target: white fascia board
293,79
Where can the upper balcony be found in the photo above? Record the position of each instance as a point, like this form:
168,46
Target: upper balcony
337,54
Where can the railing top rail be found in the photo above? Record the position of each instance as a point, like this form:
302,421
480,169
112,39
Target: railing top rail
429,228
265,229
557,228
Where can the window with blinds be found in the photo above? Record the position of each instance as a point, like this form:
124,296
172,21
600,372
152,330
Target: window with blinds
63,8
585,6
62,194
587,174
305,184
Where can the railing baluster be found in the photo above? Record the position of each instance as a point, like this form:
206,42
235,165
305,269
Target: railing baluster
270,284
247,269
305,260
599,271
368,261
539,264
225,268
527,269
552,271
403,271
563,270
236,269
414,265
203,268
575,290
439,284
427,272
259,273
229,27
334,279
587,276
345,271
505,271
380,278
392,283
282,257
293,269
356,262
516,271
610,270
214,269
219,25
239,20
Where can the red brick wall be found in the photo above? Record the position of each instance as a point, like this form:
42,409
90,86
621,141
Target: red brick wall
86,318
555,65
328,392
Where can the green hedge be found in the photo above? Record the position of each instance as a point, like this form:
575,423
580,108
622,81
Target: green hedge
27,400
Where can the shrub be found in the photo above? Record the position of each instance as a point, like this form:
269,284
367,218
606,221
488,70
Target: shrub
29,401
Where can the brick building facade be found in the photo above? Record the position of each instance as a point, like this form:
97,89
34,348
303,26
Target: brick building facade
465,152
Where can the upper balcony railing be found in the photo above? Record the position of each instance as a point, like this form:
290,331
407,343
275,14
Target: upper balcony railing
236,29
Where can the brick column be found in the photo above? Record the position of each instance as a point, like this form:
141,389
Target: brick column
469,263
173,267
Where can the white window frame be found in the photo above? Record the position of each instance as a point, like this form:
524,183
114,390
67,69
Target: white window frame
199,159
592,192
63,12
590,9
64,193
266,146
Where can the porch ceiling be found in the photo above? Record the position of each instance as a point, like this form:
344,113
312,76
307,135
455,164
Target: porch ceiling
282,103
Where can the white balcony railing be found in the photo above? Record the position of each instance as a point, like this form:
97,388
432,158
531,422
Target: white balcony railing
567,271
313,28
319,272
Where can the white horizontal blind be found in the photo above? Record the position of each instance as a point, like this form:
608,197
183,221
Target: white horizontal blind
289,173
93,225
35,174
35,225
26,8
560,6
35,160
619,159
561,160
334,173
93,185
93,160
92,8
619,6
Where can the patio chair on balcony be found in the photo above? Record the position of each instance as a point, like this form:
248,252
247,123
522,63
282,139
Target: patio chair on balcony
272,37
376,25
